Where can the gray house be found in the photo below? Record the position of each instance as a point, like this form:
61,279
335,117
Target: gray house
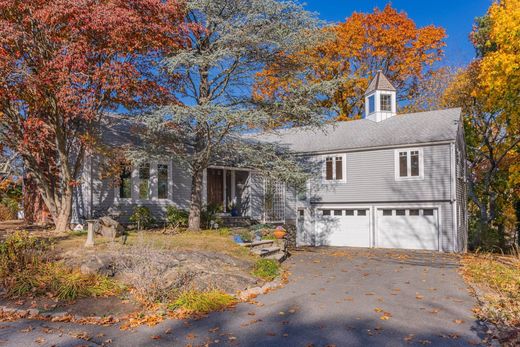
386,181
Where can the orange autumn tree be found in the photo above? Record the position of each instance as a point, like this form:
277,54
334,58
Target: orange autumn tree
385,40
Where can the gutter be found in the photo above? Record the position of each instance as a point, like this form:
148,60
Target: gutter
374,148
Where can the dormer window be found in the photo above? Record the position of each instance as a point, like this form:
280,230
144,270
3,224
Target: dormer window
386,102
372,104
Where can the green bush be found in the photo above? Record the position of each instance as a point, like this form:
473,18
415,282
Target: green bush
176,218
197,302
142,216
267,269
208,214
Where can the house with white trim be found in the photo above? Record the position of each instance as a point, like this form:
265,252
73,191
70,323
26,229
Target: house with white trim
387,181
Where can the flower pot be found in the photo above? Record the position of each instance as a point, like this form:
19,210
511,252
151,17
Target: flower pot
279,234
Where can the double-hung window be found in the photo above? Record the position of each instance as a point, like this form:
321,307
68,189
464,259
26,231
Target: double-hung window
162,181
386,102
125,184
335,168
409,164
144,181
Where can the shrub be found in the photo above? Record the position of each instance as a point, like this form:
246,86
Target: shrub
12,205
197,302
267,269
6,213
176,218
151,272
208,214
20,252
142,216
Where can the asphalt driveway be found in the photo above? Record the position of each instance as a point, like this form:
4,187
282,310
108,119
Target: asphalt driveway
335,297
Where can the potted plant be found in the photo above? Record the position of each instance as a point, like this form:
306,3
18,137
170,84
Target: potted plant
279,232
234,209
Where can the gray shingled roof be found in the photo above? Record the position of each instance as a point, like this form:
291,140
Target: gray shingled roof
412,128
380,82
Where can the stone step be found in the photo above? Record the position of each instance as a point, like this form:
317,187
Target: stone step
264,252
280,256
256,244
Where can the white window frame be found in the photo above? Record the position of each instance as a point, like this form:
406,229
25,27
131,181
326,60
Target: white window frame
344,168
153,186
408,151
381,102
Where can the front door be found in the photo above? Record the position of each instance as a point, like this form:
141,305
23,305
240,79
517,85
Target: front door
215,186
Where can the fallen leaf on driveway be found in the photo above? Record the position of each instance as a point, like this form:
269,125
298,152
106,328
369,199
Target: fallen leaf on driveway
385,316
425,342
158,337
418,296
458,321
409,338
377,309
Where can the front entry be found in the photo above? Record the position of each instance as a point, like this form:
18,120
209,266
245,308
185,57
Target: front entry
215,187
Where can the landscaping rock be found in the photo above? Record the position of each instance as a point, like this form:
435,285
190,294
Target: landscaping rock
98,264
109,228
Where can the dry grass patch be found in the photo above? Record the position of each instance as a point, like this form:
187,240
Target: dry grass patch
496,280
27,269
206,241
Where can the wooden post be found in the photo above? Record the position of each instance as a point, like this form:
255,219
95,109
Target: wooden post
90,233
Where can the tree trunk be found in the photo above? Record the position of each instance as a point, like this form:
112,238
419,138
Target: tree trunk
62,219
196,202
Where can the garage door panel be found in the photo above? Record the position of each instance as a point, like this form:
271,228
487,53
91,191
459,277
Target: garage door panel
351,228
408,231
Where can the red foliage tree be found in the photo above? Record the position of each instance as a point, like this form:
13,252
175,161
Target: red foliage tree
65,63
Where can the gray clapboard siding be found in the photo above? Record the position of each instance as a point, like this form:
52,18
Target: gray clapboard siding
371,178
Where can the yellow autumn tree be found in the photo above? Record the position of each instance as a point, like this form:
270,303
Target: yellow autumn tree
488,90
385,40
500,65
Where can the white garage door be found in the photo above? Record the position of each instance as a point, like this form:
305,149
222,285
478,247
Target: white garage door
408,228
343,227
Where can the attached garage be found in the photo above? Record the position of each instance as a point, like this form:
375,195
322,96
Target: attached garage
343,227
407,228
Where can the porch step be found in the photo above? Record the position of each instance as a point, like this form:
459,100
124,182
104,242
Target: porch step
266,251
236,222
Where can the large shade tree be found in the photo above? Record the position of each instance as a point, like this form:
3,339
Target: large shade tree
385,40
231,41
488,91
63,64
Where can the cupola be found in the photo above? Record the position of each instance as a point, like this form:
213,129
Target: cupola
380,99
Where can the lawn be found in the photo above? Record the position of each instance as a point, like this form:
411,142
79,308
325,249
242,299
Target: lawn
206,241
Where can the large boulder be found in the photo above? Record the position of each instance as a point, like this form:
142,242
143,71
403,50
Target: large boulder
98,264
109,228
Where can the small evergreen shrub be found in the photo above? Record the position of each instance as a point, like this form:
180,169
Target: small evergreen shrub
142,216
267,269
176,218
210,213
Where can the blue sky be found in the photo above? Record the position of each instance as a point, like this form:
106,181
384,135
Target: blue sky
456,16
